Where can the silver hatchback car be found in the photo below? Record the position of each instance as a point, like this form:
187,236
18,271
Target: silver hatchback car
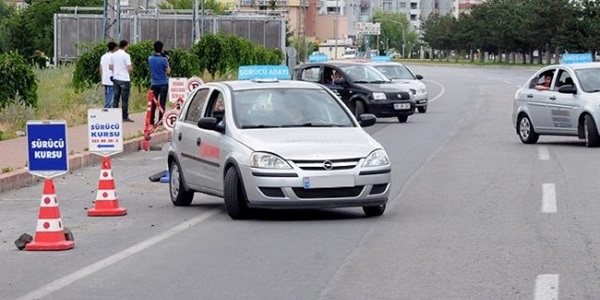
403,75
276,144
560,100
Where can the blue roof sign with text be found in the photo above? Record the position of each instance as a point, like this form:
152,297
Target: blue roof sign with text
385,58
264,72
318,57
47,148
574,58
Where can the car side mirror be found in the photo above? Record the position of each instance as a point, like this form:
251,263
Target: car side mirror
211,123
567,89
366,120
419,76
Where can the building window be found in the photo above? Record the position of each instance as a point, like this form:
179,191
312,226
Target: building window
332,10
413,17
386,5
413,5
402,4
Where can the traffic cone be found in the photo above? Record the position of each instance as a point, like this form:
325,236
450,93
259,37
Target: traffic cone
107,203
49,234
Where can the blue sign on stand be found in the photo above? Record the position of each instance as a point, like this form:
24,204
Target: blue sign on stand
385,58
574,58
47,148
264,72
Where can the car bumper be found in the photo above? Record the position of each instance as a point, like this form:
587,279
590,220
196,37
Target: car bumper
421,99
386,108
286,189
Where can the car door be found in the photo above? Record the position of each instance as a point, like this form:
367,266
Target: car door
187,138
209,143
537,102
564,108
327,80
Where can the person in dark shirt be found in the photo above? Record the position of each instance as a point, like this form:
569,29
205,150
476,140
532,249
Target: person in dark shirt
159,80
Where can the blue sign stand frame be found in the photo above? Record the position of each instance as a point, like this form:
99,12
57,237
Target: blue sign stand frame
55,133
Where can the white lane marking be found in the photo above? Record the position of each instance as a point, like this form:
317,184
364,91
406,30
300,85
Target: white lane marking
548,198
506,81
441,92
115,258
546,287
543,153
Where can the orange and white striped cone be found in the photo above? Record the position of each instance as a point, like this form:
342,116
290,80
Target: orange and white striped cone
50,233
107,203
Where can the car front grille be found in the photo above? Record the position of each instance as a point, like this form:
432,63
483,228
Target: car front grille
327,165
344,192
378,189
398,96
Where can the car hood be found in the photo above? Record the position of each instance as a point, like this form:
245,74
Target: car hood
412,84
310,143
383,87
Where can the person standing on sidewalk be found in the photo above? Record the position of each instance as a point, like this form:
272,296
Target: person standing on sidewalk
159,80
122,68
106,74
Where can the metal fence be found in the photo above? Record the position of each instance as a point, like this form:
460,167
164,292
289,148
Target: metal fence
71,30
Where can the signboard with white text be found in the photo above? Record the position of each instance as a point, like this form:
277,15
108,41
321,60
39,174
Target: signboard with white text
105,130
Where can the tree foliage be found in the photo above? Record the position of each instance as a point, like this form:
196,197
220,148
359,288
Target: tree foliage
214,6
87,72
18,79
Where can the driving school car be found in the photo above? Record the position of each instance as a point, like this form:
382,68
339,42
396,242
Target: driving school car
570,106
401,74
270,143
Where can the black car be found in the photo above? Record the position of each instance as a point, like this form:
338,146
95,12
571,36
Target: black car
362,88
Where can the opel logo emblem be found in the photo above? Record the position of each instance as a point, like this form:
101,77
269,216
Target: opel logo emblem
399,96
328,165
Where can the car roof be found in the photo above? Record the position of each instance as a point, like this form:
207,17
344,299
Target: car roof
386,64
239,85
335,63
575,66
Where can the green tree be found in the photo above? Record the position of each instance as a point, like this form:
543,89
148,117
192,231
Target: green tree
213,6
18,79
395,29
6,13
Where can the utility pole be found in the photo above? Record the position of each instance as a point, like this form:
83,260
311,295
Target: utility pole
112,17
337,15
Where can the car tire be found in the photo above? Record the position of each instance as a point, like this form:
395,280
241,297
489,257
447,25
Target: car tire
359,108
422,109
180,196
591,132
402,118
526,131
235,197
374,211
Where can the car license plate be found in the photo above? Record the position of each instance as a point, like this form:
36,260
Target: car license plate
328,181
398,106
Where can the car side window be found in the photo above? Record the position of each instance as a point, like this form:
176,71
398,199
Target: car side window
216,105
194,111
310,74
564,78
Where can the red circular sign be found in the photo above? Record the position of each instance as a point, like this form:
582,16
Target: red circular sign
193,83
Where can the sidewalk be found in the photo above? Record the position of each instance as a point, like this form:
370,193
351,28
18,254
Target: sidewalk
14,151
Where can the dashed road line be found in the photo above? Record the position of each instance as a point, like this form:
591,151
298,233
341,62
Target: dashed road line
543,153
548,198
546,287
117,257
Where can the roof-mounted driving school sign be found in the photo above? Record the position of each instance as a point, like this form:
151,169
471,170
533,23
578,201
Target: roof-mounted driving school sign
318,57
105,131
47,148
264,72
380,58
574,58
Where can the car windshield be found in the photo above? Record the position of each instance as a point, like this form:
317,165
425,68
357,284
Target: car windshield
364,74
589,79
395,72
289,107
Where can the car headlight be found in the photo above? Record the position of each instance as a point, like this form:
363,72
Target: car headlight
377,158
379,96
422,90
268,161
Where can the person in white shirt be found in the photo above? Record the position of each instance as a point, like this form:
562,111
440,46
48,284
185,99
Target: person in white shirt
106,75
121,67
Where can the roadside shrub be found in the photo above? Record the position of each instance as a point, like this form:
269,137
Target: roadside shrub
14,116
17,80
184,63
139,53
86,73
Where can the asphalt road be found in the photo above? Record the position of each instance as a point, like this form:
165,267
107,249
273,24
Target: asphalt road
473,214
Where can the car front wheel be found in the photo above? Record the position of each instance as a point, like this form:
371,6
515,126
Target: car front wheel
402,118
179,195
374,211
591,132
422,109
527,133
235,198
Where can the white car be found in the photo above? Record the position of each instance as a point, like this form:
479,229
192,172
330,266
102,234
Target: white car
401,74
567,105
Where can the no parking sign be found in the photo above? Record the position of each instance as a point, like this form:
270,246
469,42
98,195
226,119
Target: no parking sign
193,83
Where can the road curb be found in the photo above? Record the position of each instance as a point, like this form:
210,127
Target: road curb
21,178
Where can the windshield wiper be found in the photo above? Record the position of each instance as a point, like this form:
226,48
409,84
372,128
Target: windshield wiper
594,91
361,81
259,126
379,81
311,125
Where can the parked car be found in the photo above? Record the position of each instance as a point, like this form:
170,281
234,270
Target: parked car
276,144
401,74
568,104
361,87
